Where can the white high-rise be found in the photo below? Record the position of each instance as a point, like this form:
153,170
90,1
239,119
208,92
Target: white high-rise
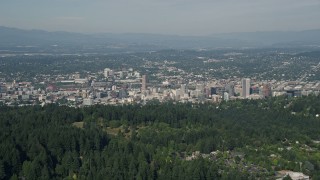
183,89
144,83
226,96
106,72
246,87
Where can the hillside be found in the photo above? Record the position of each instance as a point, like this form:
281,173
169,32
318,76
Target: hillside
236,140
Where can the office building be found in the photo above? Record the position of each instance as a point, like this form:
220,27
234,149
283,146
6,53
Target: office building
183,88
266,90
246,87
230,89
226,96
144,83
106,72
88,102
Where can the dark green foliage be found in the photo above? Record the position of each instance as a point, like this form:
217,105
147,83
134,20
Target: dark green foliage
153,140
287,178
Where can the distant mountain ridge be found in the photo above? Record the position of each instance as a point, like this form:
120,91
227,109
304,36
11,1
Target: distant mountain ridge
19,37
275,37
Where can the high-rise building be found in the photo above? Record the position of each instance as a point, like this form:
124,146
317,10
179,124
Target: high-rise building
144,83
245,87
87,101
207,92
200,87
111,73
121,75
226,96
183,89
218,90
213,91
123,93
230,89
106,72
266,90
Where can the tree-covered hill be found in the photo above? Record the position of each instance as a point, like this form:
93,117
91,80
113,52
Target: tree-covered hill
234,140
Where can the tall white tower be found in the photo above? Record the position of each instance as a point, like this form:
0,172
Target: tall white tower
106,72
144,83
246,87
183,89
226,96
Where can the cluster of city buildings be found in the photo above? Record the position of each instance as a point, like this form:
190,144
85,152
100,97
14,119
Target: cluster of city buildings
127,86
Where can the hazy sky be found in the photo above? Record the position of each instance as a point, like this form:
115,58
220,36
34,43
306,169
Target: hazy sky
182,17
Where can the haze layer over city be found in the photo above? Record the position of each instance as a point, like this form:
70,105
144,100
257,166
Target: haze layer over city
159,89
175,17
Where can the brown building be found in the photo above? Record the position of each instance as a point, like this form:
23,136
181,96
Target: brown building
144,83
266,90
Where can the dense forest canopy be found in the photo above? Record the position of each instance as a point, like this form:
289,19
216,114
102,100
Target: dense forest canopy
242,139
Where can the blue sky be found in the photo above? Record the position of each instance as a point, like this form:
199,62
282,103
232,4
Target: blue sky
180,17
